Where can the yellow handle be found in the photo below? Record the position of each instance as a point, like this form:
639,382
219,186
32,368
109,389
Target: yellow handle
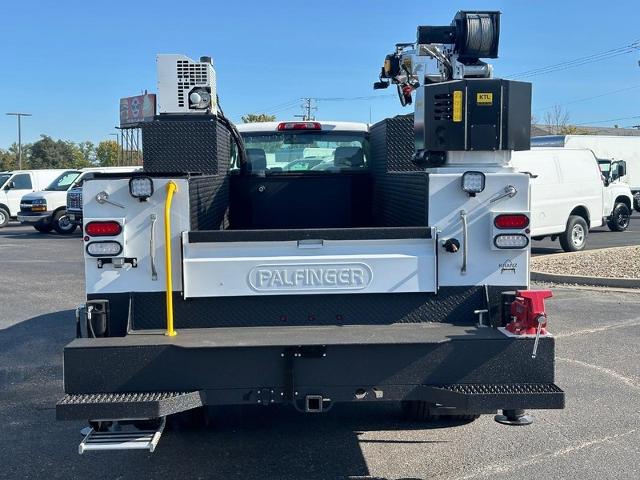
171,189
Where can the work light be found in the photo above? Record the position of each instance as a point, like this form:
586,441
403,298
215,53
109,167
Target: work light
473,182
141,187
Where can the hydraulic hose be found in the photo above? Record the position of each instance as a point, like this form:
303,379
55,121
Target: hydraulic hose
171,189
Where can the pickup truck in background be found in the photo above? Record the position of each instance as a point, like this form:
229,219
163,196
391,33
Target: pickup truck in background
15,184
74,194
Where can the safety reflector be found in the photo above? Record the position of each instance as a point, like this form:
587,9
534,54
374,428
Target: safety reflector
511,241
103,229
104,249
512,221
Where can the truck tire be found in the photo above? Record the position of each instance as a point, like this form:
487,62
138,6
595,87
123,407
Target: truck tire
62,224
574,238
419,411
43,228
636,202
4,217
620,218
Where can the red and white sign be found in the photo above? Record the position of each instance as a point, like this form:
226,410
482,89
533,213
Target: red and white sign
137,109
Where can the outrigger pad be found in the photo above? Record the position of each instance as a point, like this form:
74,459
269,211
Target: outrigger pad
114,406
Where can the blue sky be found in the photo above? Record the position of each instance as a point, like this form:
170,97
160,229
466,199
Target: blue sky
68,62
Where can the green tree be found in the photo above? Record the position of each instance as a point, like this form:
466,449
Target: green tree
8,159
49,153
257,117
84,154
107,153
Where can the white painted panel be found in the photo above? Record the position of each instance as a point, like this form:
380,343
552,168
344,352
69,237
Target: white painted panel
284,268
136,235
486,265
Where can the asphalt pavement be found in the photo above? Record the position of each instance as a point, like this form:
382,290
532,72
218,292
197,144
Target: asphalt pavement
596,436
600,237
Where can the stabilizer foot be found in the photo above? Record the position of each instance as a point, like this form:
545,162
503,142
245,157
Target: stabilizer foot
514,417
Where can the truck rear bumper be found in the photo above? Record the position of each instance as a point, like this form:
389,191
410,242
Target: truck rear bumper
470,368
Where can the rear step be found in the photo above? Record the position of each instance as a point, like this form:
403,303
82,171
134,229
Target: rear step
122,437
113,406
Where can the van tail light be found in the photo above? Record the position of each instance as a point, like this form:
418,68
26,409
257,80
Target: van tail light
299,126
513,221
103,229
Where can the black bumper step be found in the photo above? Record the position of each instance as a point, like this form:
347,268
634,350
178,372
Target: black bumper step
499,396
130,406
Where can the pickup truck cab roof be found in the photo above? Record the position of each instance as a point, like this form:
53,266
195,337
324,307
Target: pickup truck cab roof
324,126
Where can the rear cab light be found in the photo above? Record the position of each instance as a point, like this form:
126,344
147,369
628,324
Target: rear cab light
286,126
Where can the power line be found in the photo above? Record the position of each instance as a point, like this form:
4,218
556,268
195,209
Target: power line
607,121
588,98
605,55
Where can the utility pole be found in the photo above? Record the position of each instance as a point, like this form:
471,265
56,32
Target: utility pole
19,115
308,107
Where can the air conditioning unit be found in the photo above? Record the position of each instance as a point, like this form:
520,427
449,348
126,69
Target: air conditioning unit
186,86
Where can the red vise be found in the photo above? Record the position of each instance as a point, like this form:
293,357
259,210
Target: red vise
526,309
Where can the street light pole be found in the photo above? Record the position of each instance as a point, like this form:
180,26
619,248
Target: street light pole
19,115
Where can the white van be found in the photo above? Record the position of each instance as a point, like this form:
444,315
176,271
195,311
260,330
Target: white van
605,148
15,184
569,195
46,210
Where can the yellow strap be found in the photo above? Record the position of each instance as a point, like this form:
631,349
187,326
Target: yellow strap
171,189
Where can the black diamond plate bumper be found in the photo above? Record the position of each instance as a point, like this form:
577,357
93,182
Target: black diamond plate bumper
111,406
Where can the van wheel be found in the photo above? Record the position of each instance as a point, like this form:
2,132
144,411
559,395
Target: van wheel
620,217
4,217
419,411
636,202
574,238
62,224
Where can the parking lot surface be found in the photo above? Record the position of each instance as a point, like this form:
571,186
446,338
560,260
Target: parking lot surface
596,436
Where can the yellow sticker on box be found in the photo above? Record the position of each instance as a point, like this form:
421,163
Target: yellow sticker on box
484,98
457,105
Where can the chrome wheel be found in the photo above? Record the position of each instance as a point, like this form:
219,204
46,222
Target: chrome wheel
64,223
3,218
577,235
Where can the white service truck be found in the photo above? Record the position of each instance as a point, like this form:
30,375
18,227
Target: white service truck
397,272
15,184
607,149
570,195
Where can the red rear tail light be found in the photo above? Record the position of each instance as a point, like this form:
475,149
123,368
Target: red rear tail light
299,126
103,229
511,221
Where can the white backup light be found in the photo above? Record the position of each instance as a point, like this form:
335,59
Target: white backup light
511,241
473,182
141,187
104,249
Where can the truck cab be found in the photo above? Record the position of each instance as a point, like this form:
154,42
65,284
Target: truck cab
617,198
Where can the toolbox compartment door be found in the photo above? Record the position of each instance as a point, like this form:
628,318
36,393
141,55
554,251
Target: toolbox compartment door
283,262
